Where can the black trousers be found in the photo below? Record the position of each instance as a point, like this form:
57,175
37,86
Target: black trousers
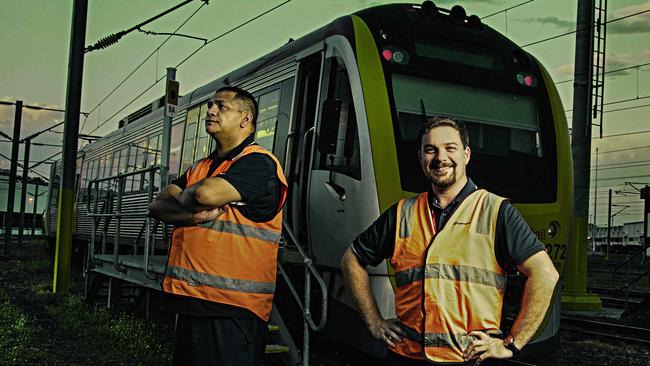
221,341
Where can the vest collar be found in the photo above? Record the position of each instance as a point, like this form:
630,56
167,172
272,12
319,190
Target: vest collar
469,187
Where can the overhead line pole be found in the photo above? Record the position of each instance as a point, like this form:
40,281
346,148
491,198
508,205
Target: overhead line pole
575,295
166,136
70,140
12,177
23,194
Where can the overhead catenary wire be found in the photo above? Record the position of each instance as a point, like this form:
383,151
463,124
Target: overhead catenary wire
618,102
506,9
645,162
620,167
30,168
115,37
621,109
620,150
36,144
610,71
623,134
625,177
574,31
187,58
140,65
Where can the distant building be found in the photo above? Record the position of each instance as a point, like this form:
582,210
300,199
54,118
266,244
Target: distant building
623,238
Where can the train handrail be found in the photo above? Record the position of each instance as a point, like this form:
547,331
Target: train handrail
147,220
119,215
310,270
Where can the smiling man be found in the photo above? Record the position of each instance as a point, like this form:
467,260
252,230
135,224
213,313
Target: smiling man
227,212
451,248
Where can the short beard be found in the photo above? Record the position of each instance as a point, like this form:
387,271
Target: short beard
443,183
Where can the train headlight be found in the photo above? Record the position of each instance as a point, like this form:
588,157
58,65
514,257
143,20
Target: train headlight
553,229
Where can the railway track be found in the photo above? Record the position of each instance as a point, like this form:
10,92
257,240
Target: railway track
609,330
616,299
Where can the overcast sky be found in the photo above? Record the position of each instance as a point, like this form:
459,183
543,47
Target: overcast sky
35,36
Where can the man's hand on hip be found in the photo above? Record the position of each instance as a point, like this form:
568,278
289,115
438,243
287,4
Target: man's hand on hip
386,330
484,347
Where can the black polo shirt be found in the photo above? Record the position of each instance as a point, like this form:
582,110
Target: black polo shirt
254,176
514,242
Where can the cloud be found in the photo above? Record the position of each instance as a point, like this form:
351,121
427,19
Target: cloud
622,60
553,21
563,72
612,62
635,24
32,120
631,9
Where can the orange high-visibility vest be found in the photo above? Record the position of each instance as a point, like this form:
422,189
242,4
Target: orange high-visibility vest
231,260
449,283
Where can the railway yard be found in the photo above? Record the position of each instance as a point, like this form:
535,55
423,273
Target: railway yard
37,327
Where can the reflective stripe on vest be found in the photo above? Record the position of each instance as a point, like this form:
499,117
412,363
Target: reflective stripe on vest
203,279
429,276
451,272
230,260
242,230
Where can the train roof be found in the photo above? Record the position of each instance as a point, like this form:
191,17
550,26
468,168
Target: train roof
390,13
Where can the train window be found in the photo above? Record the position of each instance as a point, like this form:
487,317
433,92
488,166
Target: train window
130,166
203,139
346,159
153,158
154,150
89,171
452,52
267,119
123,160
190,138
107,166
506,136
140,163
83,179
116,163
175,150
100,167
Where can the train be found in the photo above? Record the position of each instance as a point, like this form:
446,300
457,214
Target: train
340,108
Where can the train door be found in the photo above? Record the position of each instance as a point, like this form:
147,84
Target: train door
301,141
342,194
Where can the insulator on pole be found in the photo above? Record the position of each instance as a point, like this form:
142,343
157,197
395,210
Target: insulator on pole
105,42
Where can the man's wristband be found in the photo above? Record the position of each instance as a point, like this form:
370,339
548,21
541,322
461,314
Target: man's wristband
509,343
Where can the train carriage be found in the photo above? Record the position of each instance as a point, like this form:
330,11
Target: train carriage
340,108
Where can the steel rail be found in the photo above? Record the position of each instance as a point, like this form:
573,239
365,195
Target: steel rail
607,329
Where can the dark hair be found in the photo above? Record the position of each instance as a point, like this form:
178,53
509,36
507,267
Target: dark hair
439,121
245,100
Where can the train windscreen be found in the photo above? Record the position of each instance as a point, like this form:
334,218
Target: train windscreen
507,137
